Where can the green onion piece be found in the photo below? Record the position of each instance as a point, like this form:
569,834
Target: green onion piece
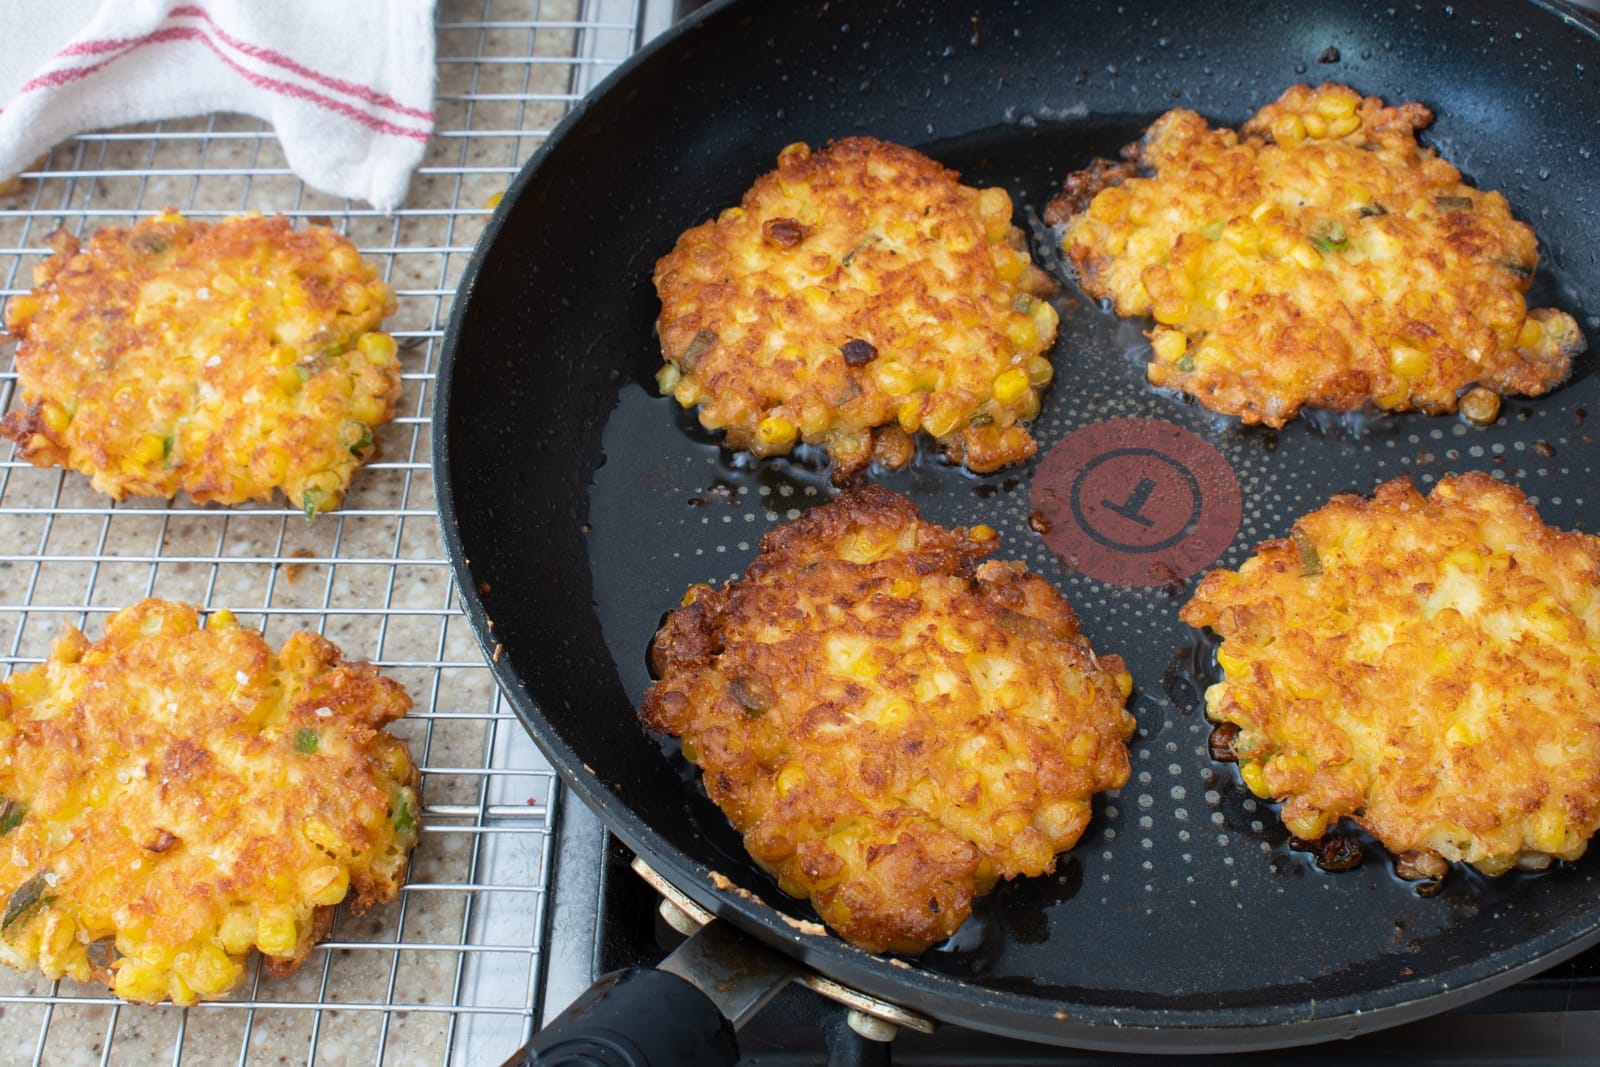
1310,562
848,256
313,501
1374,208
1331,238
1453,203
1213,230
11,814
404,820
26,898
363,439
699,345
1185,363
1521,270
306,740
166,446
1022,302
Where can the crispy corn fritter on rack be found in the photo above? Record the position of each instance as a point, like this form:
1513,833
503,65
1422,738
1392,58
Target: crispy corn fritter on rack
223,361
1428,668
890,724
858,295
172,796
1317,257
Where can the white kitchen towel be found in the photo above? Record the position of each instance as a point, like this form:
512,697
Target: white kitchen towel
347,86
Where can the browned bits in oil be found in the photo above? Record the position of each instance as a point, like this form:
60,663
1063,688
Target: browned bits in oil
1480,406
1334,852
1220,746
1329,55
1038,523
1425,868
1544,448
858,353
784,233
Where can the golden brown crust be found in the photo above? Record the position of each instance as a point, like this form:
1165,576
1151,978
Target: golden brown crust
890,723
183,794
1317,257
222,360
858,295
1424,667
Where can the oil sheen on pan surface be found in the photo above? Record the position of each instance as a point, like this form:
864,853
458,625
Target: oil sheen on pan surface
1182,907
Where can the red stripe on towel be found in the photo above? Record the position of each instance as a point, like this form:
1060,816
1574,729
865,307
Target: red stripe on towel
55,78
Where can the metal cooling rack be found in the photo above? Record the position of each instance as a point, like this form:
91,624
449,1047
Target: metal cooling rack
448,973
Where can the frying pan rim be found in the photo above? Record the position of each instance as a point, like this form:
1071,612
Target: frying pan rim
1000,1011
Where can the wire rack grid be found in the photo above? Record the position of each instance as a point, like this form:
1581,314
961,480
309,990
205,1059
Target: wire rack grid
448,973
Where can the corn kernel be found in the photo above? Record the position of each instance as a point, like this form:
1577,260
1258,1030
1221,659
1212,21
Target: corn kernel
981,533
379,348
1344,127
1288,129
1530,334
237,931
1022,334
325,885
276,934
208,971
1310,826
893,377
1305,254
792,777
1408,362
150,449
1011,385
1169,345
55,416
941,419
1254,778
1336,105
774,433
1040,371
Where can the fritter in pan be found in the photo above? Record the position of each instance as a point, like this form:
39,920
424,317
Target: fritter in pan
221,360
891,724
859,294
1428,668
1318,257
172,796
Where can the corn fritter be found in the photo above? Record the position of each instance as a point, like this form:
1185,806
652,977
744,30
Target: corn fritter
172,796
1428,668
890,724
1317,257
223,361
858,295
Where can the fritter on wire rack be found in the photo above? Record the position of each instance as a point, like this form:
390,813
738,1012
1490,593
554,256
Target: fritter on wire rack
891,724
223,361
172,796
859,294
1428,668
1318,257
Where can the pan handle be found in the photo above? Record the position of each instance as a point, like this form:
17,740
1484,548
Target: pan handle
680,1014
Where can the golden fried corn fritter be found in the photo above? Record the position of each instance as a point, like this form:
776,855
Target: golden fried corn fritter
1429,668
1317,257
222,360
172,796
891,724
859,294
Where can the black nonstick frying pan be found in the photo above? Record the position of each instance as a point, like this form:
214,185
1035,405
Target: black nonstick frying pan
578,505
